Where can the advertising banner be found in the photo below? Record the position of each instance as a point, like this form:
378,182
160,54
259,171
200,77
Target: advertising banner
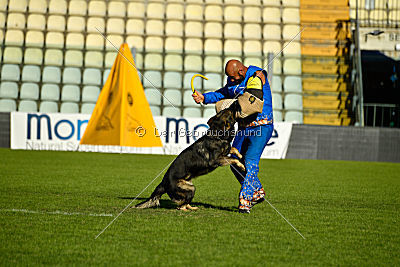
63,132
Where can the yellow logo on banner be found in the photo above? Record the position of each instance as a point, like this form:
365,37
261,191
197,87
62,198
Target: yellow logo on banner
122,115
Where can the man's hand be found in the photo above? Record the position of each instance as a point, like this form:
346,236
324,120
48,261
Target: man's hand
198,97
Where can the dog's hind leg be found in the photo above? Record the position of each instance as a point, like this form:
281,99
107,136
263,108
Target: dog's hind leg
154,199
184,195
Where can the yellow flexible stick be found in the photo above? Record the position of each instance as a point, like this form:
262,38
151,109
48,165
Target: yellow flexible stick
191,83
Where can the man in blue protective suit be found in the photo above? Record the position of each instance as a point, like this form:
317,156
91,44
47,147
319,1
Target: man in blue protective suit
254,130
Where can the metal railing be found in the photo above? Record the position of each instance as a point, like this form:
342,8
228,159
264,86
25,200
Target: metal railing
382,115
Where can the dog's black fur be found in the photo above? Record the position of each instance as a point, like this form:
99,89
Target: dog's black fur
205,155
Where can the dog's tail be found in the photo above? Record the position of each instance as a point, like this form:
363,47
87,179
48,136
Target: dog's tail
154,199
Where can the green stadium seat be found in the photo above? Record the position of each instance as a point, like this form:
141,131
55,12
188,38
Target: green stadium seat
209,112
73,58
48,107
187,78
153,96
58,7
252,31
87,108
277,116
153,61
293,102
70,93
213,47
72,76
27,106
53,57
50,92
29,91
31,73
276,84
152,79
7,105
91,76
71,108
277,101
33,56
94,59
12,55
110,59
9,90
10,72
272,15
192,112
213,30
214,81
172,80
173,62
294,116
188,99
155,110
293,84
90,93
172,97
171,112
272,32
114,41
74,41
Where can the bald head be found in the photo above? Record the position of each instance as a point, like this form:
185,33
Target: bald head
235,70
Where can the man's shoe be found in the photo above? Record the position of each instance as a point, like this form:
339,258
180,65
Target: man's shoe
244,211
260,200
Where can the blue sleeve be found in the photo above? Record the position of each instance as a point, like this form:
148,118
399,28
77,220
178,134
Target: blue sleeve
214,97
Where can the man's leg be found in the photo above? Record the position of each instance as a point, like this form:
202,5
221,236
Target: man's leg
254,144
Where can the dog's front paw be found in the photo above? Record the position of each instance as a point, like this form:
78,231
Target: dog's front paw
241,166
234,151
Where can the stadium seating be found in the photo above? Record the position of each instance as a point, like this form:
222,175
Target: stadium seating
55,45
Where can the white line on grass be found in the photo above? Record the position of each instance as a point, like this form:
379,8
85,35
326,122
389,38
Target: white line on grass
130,203
270,203
57,212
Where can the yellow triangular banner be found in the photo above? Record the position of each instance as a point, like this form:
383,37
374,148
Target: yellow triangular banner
122,115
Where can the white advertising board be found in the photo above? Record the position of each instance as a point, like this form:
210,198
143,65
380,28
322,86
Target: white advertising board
40,131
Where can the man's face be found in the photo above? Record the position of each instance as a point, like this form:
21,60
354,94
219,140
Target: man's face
236,77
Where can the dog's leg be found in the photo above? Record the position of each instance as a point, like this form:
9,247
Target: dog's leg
191,207
229,161
234,151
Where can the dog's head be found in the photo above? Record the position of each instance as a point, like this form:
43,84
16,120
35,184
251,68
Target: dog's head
223,120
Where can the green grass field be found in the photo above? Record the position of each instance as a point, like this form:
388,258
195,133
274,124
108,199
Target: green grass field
348,212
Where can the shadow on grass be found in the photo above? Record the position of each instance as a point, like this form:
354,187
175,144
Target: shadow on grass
168,204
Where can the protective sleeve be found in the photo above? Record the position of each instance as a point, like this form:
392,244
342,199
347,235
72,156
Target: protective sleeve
255,86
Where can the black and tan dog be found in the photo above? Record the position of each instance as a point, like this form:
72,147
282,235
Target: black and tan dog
205,155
